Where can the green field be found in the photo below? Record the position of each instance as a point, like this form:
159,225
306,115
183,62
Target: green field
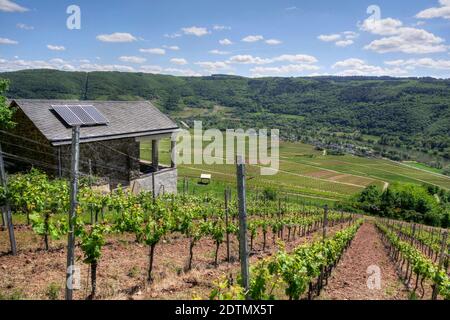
306,173
422,166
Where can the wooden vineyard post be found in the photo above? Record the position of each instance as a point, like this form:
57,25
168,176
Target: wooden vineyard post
286,205
153,187
3,218
243,245
442,256
226,225
413,232
93,221
72,213
7,212
279,207
325,222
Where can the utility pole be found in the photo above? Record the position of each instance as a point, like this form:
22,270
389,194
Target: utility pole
243,241
72,213
7,214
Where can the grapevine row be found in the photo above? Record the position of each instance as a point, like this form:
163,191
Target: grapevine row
404,253
302,272
428,242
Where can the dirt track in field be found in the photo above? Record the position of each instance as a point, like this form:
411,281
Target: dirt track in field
349,281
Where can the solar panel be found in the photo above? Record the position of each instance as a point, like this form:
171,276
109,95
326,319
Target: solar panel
95,114
80,115
68,116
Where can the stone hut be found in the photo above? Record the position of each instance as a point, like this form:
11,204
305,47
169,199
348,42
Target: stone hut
111,151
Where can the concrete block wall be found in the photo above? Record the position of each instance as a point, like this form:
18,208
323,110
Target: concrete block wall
165,182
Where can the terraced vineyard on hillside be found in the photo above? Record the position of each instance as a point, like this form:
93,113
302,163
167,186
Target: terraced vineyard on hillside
311,175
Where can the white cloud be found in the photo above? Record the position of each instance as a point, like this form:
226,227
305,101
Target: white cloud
88,67
9,6
421,63
225,42
348,63
56,48
174,71
220,28
382,27
215,51
19,64
213,66
285,70
344,43
174,48
401,39
297,58
23,26
132,59
273,42
358,67
116,37
85,61
195,31
329,37
7,41
59,64
158,51
342,39
151,69
58,61
172,35
179,61
409,40
182,72
436,12
253,38
293,58
291,8
350,34
248,59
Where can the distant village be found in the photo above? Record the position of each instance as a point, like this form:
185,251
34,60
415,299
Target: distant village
333,148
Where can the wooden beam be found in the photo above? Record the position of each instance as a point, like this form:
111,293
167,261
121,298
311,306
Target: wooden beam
155,155
173,154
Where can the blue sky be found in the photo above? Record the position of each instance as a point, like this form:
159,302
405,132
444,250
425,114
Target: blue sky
249,38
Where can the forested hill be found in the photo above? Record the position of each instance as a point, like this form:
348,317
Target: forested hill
396,111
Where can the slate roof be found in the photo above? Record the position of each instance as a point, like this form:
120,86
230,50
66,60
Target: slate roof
126,119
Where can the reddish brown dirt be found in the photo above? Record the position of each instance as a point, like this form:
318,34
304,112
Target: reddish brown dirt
122,270
349,280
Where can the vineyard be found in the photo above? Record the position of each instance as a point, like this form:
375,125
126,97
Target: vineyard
186,246
415,265
310,175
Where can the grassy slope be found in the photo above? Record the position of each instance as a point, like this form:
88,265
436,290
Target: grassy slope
422,166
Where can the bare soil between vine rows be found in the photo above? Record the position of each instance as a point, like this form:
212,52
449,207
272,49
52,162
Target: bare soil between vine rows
122,270
349,280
